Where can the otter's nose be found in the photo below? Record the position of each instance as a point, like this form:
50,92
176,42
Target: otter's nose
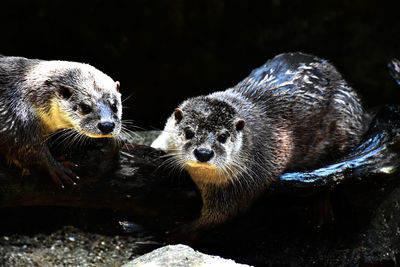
106,127
203,155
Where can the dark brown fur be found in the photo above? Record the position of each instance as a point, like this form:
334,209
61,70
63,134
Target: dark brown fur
298,113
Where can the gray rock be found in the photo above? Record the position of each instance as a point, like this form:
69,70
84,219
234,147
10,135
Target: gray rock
180,255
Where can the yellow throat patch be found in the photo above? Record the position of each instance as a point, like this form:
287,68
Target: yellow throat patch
206,173
55,118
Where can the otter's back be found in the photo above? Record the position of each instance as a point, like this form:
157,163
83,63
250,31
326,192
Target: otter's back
307,96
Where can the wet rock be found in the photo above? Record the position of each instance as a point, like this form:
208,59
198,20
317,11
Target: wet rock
180,256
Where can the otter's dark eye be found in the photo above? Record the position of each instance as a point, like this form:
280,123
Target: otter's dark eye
86,109
114,108
189,134
222,137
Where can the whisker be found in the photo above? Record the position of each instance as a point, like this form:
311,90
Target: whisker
127,98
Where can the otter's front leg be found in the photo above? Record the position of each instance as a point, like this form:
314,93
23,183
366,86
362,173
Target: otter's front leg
221,203
40,159
60,173
189,232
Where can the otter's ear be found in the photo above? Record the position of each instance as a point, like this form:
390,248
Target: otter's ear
65,92
117,85
240,125
178,114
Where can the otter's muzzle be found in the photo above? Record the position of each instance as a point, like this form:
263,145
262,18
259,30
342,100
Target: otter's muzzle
203,155
106,127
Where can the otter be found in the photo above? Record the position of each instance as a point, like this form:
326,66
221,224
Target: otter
39,98
293,113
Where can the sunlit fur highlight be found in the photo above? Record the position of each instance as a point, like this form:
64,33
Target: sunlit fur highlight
55,118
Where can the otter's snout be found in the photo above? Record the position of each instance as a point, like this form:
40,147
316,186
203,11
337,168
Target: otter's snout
106,127
203,155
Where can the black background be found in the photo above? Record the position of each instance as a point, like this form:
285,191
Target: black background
165,51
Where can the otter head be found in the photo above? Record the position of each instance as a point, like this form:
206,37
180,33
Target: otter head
210,139
81,98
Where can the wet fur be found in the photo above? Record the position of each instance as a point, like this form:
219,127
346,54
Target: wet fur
33,107
299,113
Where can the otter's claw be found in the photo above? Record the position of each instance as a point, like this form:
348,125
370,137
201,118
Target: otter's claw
62,175
66,163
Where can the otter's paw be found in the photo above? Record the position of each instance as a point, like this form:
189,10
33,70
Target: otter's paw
66,162
62,175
